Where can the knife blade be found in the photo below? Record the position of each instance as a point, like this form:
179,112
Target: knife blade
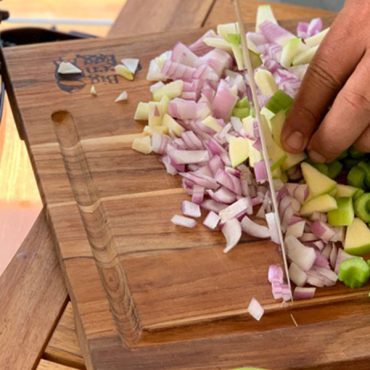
248,64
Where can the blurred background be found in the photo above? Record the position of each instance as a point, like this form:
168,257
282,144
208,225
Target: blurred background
333,5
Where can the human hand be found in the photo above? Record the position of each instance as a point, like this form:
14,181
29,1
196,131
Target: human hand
339,79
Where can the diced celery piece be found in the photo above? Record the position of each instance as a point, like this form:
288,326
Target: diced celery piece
142,145
334,169
316,40
233,38
362,207
279,101
290,50
354,272
142,112
243,103
218,43
356,177
171,90
227,28
264,13
355,153
175,129
240,112
305,57
276,125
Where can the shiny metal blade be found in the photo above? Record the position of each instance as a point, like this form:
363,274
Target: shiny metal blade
266,158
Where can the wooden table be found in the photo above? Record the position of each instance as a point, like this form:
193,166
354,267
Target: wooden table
62,348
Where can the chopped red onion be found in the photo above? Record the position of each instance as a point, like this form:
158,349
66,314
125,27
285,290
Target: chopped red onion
190,209
297,275
271,222
321,261
183,109
159,143
183,221
236,210
199,48
341,257
326,251
254,229
255,309
183,55
224,101
198,194
301,255
219,60
308,237
212,220
322,231
296,229
333,255
188,156
304,293
222,195
275,274
260,171
211,205
232,232
314,27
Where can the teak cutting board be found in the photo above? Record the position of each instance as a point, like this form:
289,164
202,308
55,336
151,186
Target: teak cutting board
147,293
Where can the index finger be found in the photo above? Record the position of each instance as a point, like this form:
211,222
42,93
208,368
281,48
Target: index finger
334,62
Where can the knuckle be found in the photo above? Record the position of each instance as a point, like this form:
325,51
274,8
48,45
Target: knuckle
320,69
357,100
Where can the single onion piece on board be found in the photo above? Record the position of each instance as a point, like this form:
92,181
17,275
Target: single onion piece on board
255,309
254,229
303,293
232,232
212,220
190,209
183,221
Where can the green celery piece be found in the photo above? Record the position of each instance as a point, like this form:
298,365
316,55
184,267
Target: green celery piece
365,165
343,155
279,101
349,163
334,169
243,103
233,38
362,207
255,59
240,112
355,153
354,272
358,194
322,167
356,177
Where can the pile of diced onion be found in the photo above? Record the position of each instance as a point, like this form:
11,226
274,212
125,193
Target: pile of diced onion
191,127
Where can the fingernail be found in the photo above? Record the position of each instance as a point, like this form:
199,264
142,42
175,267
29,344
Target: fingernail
316,157
296,140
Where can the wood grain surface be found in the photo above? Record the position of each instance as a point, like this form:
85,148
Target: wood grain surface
211,330
63,347
30,303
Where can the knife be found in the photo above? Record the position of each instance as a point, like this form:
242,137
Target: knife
265,155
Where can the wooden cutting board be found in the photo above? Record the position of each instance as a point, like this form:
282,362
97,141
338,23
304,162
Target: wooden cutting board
147,294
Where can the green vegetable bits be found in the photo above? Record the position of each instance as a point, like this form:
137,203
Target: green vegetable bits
354,272
362,207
